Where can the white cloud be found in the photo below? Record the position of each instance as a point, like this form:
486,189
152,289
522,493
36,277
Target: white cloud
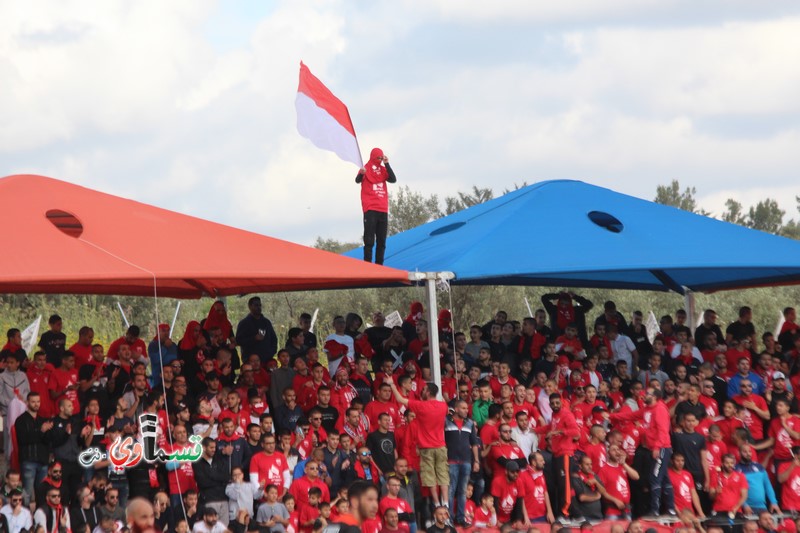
136,99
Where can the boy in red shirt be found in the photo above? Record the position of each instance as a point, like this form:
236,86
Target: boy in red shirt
310,512
686,498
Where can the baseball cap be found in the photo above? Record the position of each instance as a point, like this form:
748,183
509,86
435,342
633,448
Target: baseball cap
778,375
512,466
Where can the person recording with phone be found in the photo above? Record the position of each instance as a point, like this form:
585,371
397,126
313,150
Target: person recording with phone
375,203
255,333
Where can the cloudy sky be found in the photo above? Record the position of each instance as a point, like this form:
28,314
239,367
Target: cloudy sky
189,104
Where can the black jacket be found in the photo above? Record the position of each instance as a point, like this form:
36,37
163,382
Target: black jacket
211,479
246,333
30,439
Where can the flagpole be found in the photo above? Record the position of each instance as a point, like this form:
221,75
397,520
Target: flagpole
358,146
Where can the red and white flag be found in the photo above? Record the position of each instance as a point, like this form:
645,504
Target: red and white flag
324,120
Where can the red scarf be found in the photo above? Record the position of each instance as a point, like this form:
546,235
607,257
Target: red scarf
444,320
189,339
218,320
224,438
94,421
361,474
585,478
49,480
59,511
416,308
374,171
13,348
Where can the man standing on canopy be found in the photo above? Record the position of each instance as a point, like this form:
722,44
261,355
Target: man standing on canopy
375,203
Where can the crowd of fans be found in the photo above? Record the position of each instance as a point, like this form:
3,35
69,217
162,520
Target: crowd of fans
544,420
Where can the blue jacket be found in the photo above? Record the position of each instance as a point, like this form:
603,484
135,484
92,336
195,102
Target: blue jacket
735,381
760,493
167,356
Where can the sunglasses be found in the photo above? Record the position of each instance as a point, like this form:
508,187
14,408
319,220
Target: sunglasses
366,454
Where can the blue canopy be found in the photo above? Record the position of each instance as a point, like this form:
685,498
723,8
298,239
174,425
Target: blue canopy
568,233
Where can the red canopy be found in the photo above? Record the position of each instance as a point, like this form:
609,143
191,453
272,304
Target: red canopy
62,238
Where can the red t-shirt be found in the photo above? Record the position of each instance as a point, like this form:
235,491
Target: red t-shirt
730,487
733,357
496,384
300,487
489,433
371,525
790,489
182,478
138,348
307,513
509,450
59,381
712,408
530,409
535,488
598,453
374,408
506,493
615,481
632,437
431,415
484,518
727,426
399,504
39,381
82,354
682,484
374,194
751,420
271,468
714,452
469,512
783,441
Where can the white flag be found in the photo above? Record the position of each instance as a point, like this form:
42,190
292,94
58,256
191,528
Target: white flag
652,326
778,327
30,335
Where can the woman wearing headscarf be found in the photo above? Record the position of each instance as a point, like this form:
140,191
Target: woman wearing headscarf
375,203
218,318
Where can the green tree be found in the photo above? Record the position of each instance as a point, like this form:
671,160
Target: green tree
409,209
332,245
671,195
516,187
734,212
792,228
766,216
454,204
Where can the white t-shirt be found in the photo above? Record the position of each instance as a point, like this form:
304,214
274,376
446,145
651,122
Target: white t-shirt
201,527
623,348
23,520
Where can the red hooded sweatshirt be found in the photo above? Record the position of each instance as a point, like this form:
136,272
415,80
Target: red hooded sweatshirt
374,194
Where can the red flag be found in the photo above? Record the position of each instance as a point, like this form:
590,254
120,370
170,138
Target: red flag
324,120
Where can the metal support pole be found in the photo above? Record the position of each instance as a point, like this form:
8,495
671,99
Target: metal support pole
689,305
433,330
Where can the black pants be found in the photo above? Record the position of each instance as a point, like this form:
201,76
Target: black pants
563,467
376,225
